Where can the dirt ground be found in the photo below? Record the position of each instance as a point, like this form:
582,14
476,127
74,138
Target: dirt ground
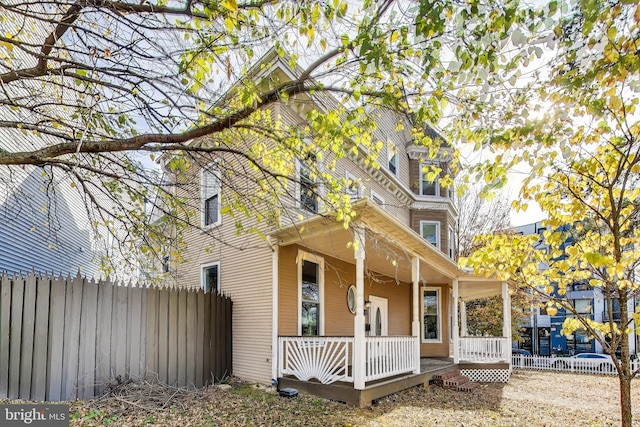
529,399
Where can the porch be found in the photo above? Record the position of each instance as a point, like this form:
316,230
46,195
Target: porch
323,366
362,312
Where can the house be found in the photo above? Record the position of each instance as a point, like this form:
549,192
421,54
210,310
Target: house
542,332
350,313
45,224
43,231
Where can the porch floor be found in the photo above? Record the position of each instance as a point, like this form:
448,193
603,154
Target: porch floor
344,392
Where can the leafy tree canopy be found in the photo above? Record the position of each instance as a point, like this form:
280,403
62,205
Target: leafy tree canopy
576,130
86,83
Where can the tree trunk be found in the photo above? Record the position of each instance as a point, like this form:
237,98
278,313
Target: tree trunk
625,362
625,400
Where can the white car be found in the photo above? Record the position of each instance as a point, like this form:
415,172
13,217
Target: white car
587,362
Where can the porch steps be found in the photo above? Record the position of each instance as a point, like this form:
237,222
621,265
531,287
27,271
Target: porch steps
454,380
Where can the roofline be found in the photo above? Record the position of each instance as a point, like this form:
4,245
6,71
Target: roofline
443,263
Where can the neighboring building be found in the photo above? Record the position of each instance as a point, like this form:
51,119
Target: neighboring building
45,225
309,308
42,230
542,332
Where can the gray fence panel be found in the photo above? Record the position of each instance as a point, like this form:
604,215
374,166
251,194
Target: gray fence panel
5,321
66,338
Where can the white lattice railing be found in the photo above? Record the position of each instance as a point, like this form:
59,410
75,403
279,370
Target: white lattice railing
325,358
388,356
484,349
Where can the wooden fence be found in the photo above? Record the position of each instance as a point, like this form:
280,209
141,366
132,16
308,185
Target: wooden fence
66,338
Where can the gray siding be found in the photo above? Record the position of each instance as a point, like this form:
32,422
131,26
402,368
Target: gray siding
41,227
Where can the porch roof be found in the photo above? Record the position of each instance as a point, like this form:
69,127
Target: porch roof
473,287
389,246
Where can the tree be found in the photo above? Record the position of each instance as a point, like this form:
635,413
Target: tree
580,141
87,83
478,214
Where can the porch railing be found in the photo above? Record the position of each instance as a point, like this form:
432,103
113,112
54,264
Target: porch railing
389,356
484,349
329,359
325,358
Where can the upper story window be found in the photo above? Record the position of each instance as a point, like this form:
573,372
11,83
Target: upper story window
210,195
428,188
430,231
308,184
392,154
353,187
583,306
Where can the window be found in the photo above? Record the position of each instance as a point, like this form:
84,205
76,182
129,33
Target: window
353,187
430,231
210,194
583,306
579,342
377,198
431,315
428,188
616,311
166,264
452,243
392,154
581,286
310,278
210,280
308,184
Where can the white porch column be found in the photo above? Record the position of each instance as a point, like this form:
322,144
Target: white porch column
456,329
415,323
463,318
506,327
359,350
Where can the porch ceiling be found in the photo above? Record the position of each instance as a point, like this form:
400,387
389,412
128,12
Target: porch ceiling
389,245
472,287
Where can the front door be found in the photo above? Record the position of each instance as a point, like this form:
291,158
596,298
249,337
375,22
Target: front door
379,316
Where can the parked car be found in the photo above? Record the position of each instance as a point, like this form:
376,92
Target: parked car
528,361
588,361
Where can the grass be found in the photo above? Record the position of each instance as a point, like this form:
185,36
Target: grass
530,398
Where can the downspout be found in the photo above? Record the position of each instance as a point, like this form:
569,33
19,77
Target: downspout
274,309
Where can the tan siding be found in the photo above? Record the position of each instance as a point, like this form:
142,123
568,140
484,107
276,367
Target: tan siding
339,275
287,291
245,275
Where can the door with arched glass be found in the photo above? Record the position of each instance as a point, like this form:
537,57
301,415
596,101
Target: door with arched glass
379,316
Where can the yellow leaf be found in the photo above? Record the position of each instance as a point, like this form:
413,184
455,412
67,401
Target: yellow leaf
231,5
